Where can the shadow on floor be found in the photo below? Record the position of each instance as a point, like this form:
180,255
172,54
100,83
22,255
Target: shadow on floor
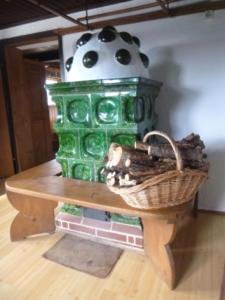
192,240
2,186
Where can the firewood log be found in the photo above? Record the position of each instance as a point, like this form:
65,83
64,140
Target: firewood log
153,171
129,162
123,182
165,150
120,154
138,179
112,148
193,139
111,181
200,165
109,175
190,148
127,166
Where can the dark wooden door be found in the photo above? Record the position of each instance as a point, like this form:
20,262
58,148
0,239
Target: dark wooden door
6,158
40,122
29,109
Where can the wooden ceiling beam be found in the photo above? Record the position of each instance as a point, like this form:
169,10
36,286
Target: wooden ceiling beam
57,13
197,8
124,10
115,21
163,6
173,12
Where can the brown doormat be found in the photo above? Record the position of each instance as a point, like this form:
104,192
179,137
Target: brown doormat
84,255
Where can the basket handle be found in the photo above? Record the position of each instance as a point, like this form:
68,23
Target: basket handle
172,143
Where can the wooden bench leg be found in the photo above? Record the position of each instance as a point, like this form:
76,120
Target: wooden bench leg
195,207
158,234
35,216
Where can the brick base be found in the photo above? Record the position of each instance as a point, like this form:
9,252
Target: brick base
115,233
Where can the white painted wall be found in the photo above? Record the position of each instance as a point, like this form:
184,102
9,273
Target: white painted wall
188,54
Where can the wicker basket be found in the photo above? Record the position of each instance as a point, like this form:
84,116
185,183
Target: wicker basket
168,189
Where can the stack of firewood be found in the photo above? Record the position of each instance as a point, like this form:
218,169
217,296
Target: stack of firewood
129,166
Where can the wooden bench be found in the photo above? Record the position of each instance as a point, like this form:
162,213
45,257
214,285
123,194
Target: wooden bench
36,192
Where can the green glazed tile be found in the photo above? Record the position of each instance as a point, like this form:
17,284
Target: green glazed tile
72,209
125,136
106,110
109,85
128,109
59,104
125,219
83,171
98,168
69,144
64,165
93,144
78,110
94,114
80,169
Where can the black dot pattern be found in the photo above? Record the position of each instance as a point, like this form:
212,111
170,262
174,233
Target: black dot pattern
126,37
90,59
110,28
107,35
68,63
84,39
144,59
123,56
137,41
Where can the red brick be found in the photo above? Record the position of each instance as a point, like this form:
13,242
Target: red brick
96,223
69,218
139,242
127,229
81,228
65,224
59,215
57,223
112,235
130,239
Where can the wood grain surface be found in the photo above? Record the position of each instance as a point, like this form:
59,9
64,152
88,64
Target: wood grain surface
25,274
35,196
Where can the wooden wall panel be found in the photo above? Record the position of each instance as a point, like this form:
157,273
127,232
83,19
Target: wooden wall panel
6,159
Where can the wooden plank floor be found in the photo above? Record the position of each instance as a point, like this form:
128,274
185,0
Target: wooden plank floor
25,274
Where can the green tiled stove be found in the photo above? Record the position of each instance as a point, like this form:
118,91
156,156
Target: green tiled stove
93,114
95,110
